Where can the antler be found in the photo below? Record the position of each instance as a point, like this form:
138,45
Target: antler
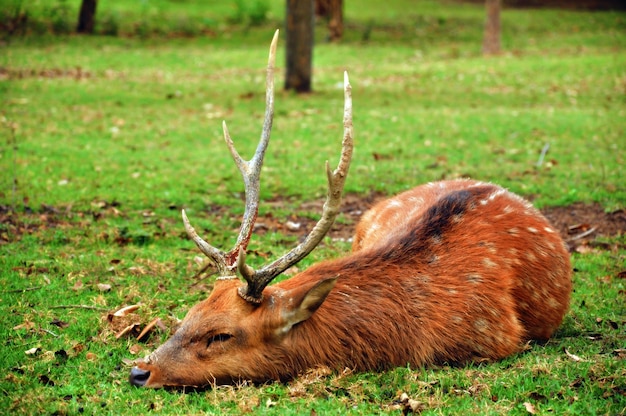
258,280
250,170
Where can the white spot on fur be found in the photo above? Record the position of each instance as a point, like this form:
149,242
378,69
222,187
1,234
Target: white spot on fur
481,325
415,200
548,229
496,194
474,278
422,278
487,262
533,230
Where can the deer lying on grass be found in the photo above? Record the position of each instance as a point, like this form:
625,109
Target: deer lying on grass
450,271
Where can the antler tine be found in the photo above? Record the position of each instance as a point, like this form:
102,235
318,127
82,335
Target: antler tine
217,256
258,280
250,172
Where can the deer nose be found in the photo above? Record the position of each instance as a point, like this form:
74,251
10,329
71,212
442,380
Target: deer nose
138,377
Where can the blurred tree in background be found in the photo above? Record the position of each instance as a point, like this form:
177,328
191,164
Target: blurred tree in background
87,16
299,33
331,11
491,39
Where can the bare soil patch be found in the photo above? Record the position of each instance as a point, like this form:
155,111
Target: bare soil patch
578,223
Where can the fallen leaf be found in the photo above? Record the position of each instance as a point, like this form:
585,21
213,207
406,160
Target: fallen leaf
90,356
126,310
32,351
126,330
620,353
416,406
199,261
293,226
149,328
530,408
134,349
59,323
585,249
576,228
24,325
573,356
104,287
45,380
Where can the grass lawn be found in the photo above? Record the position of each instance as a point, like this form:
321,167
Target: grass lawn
105,138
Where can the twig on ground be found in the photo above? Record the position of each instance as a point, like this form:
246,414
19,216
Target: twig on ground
96,308
26,289
544,151
49,332
204,269
582,235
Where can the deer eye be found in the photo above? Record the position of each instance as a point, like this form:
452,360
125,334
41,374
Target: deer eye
218,338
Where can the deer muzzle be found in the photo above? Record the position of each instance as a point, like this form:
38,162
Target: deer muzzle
138,377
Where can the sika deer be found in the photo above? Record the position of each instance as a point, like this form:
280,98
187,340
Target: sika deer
450,271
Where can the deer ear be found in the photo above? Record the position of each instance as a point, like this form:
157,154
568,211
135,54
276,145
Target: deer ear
305,301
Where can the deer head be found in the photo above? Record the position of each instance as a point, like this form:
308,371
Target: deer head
234,332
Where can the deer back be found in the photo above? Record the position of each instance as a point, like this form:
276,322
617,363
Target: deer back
500,231
446,272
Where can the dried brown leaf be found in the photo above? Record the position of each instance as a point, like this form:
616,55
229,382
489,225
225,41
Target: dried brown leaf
126,330
24,325
573,357
104,287
530,408
149,328
126,310
32,351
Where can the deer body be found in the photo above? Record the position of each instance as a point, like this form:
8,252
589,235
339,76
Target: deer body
450,271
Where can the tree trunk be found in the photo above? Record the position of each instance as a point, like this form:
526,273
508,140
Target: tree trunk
87,16
299,33
332,10
491,41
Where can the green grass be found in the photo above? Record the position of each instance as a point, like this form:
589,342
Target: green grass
104,139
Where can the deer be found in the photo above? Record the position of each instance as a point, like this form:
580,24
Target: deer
447,273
